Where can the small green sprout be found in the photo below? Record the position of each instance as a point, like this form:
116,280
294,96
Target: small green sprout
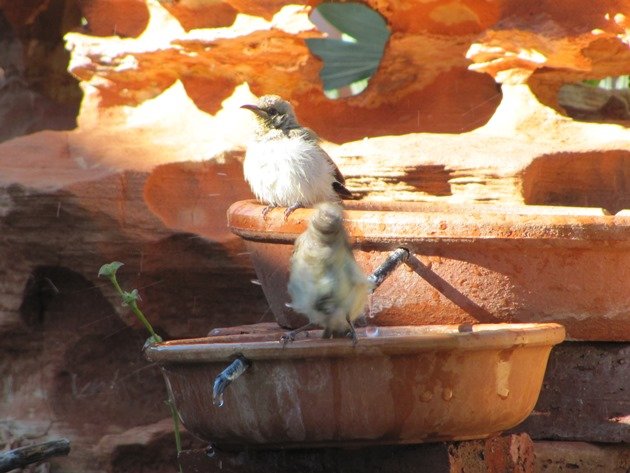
109,270
129,299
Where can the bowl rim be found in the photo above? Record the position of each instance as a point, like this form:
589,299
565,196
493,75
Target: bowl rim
439,222
392,340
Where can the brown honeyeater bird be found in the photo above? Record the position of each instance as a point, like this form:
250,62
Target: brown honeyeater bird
326,283
284,165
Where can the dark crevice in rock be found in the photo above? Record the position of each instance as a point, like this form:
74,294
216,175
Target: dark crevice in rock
596,179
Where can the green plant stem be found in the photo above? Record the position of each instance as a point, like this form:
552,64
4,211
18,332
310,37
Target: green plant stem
114,281
178,438
136,310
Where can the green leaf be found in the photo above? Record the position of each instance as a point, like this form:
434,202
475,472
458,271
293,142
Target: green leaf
356,20
347,62
338,49
155,338
592,82
109,270
337,77
130,298
152,340
344,62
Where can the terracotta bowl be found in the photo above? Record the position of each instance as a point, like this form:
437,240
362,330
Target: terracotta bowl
470,264
403,385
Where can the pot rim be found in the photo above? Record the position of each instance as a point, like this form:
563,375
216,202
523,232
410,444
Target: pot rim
418,222
395,340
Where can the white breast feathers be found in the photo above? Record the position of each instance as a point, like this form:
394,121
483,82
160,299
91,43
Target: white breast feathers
283,172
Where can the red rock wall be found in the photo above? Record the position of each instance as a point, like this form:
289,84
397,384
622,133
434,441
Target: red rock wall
146,170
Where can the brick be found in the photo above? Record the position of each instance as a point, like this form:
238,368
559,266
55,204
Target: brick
512,453
585,395
581,457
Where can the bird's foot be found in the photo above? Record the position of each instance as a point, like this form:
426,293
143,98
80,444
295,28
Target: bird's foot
267,209
290,336
287,337
291,209
327,333
352,333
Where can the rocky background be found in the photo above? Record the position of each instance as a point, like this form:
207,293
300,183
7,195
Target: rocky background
121,139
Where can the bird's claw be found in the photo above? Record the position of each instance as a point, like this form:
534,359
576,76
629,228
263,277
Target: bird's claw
290,336
352,333
290,210
267,209
287,337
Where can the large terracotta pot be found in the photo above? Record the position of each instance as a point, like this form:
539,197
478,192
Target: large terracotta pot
403,385
469,264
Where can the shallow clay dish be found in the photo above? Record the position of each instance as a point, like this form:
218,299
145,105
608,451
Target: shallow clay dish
470,264
403,385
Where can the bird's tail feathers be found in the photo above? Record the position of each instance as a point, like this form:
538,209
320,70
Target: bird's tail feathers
342,191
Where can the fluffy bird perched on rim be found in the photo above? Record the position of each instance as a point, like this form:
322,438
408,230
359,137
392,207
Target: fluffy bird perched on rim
326,284
284,165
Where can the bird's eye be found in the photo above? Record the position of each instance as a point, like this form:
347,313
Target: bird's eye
272,111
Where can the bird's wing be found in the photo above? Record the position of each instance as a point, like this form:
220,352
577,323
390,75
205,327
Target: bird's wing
338,176
338,185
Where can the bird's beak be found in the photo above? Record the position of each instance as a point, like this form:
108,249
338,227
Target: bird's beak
258,111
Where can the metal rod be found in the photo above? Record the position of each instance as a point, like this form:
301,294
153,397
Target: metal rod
394,259
225,378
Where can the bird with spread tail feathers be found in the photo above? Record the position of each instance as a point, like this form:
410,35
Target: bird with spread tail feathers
326,283
284,165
